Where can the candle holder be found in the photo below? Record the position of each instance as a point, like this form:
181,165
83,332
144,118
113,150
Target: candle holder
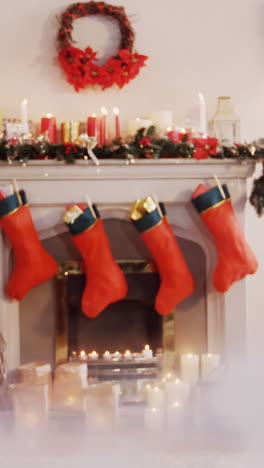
69,384
101,407
30,405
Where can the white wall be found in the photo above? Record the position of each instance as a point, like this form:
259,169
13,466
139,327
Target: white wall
216,47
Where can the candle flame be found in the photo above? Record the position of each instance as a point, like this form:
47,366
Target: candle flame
94,353
183,130
153,410
176,404
177,381
24,102
82,353
190,355
209,355
127,352
106,353
104,111
201,97
93,115
147,347
49,116
115,110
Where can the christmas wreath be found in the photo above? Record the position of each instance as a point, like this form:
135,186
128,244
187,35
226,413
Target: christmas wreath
80,65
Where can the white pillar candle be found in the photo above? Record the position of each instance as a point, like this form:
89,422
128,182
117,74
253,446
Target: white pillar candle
155,397
93,355
24,117
162,119
175,415
154,418
190,368
209,362
136,124
177,390
147,353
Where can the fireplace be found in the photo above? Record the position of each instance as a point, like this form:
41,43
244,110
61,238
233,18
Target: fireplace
50,186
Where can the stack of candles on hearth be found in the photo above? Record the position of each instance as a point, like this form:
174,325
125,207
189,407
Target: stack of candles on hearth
167,401
145,354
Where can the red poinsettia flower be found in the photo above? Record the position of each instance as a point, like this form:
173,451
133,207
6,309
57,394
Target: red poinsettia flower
204,147
110,71
144,141
90,54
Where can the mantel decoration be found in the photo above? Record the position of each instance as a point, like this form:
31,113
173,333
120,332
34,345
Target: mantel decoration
80,65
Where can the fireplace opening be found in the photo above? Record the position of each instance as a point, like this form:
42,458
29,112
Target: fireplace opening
53,325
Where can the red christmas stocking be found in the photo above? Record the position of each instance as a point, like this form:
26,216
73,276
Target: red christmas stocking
105,282
235,258
177,282
33,265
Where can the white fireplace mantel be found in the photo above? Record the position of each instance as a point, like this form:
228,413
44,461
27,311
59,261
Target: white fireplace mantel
114,185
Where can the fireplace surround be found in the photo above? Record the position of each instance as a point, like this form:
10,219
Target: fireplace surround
114,185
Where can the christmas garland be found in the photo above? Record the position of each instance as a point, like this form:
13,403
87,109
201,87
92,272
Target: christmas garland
79,65
145,144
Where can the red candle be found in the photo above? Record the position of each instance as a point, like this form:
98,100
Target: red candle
48,125
92,125
117,122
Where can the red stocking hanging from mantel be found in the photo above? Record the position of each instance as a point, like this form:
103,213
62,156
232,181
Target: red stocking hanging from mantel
235,258
177,282
105,281
33,265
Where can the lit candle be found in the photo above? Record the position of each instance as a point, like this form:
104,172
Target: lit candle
147,353
117,355
154,418
128,355
177,390
175,415
107,356
83,356
104,113
92,125
190,368
209,362
117,122
93,355
155,397
24,117
202,115
48,125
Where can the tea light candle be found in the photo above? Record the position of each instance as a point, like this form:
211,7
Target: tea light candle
83,356
154,418
128,355
190,367
107,356
209,362
117,355
147,353
117,122
155,397
48,125
177,391
93,355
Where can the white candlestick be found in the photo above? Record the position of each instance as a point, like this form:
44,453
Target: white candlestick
202,116
190,368
93,355
177,391
155,397
147,353
209,362
154,418
24,116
